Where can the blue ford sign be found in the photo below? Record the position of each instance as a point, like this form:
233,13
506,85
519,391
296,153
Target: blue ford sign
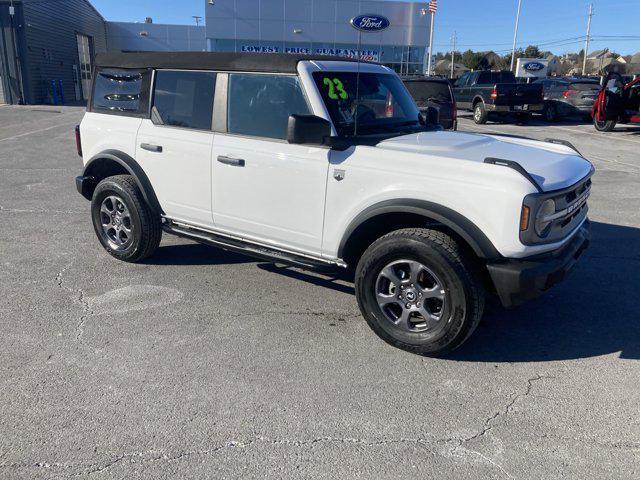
533,66
370,23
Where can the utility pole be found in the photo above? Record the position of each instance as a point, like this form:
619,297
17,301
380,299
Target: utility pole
453,51
515,35
586,42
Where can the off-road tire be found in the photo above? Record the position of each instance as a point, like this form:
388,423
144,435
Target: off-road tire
146,225
606,126
480,114
464,293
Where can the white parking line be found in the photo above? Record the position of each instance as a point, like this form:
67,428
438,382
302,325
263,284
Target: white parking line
37,131
597,134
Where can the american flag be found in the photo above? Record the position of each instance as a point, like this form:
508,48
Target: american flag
433,6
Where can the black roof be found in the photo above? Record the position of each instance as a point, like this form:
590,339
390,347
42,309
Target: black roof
227,61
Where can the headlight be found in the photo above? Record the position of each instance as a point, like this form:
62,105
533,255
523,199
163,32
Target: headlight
542,226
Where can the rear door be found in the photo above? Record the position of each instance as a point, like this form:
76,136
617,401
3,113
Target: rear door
265,189
582,94
461,91
174,145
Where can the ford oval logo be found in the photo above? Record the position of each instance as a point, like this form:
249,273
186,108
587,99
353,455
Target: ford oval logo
533,66
370,23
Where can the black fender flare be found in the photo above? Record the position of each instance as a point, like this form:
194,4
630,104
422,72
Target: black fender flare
93,166
460,224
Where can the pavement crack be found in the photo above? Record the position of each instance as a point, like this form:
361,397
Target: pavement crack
80,299
87,312
460,443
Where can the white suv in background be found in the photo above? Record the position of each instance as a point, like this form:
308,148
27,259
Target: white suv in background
326,163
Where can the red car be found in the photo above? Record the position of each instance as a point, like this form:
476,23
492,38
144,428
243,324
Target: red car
616,103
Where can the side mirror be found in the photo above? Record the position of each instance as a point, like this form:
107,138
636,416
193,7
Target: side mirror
430,116
308,130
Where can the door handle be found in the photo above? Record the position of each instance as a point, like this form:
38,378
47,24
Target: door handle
151,148
236,162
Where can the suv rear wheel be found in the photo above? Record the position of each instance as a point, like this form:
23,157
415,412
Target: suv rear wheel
418,292
125,225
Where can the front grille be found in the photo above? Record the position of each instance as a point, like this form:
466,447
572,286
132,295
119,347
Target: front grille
571,210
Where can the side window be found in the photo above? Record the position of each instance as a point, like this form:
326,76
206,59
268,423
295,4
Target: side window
484,77
260,105
462,81
118,91
183,99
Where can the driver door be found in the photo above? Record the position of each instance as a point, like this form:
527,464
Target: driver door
610,99
265,189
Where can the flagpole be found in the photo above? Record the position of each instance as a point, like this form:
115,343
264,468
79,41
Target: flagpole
430,45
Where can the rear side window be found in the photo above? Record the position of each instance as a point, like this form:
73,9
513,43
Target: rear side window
496,77
585,86
260,105
422,92
183,99
118,91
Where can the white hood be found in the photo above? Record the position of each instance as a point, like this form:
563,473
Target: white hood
552,166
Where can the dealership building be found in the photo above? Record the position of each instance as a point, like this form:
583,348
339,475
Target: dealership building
47,48
320,27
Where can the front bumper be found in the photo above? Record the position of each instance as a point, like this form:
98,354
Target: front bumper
530,108
519,280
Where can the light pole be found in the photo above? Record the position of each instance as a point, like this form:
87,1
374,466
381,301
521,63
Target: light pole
432,8
515,35
197,19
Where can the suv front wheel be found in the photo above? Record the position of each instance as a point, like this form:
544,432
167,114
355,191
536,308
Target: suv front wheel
125,225
418,292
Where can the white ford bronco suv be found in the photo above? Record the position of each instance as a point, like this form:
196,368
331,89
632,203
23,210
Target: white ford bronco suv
327,163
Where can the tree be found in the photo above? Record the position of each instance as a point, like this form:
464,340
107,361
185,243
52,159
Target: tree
471,59
532,51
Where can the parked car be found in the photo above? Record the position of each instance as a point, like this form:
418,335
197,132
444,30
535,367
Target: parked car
568,96
493,92
617,102
289,158
434,92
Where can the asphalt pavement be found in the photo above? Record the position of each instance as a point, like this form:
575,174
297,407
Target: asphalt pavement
205,364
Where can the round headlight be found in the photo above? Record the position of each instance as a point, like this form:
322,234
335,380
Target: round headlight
543,226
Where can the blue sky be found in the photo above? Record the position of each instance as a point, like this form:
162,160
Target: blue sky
480,25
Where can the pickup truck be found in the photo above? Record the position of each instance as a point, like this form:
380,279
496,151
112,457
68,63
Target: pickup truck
485,92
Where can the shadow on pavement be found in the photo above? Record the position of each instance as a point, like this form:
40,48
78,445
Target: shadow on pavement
315,279
195,254
596,311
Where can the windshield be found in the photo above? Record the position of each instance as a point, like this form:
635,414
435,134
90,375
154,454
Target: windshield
425,91
385,106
